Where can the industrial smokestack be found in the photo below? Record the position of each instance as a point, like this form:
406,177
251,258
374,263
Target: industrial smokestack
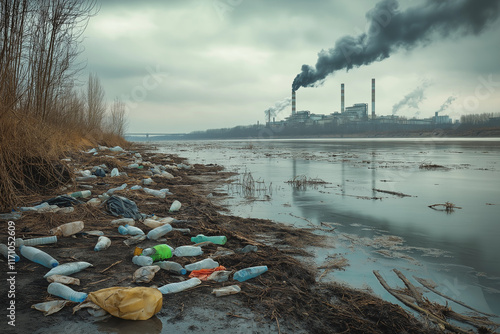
341,98
293,102
373,98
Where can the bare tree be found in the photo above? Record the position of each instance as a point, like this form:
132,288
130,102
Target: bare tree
96,107
117,120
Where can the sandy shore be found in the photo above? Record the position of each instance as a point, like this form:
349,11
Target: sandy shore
285,299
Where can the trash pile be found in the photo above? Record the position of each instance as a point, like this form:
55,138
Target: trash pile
137,231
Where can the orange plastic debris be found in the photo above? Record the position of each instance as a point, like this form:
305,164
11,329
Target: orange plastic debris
203,274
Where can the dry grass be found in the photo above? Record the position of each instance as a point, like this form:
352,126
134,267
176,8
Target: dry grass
302,182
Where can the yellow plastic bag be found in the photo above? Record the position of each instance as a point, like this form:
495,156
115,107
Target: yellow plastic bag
139,303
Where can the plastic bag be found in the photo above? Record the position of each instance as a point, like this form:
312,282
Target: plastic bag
203,274
139,303
50,307
121,206
63,201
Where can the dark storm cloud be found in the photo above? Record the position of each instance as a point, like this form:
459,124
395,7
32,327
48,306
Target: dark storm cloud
391,30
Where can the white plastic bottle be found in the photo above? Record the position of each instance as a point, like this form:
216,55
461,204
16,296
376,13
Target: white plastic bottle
188,251
102,243
68,229
36,241
63,291
142,260
129,230
68,268
147,181
176,206
177,287
157,193
112,190
226,290
158,232
38,256
203,264
127,221
152,223
172,267
248,273
4,250
115,172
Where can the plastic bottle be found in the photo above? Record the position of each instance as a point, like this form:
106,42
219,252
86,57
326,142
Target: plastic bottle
4,250
219,239
136,187
142,260
102,243
112,190
172,267
38,256
177,287
226,290
68,268
94,202
158,232
176,205
188,251
158,252
182,230
121,221
115,172
157,193
248,273
85,178
219,276
36,241
203,264
63,291
10,216
135,166
67,209
39,207
152,223
147,181
68,229
247,249
81,194
129,230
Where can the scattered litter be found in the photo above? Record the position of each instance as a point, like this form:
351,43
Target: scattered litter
136,187
247,249
85,178
64,200
159,252
38,256
121,206
159,231
134,240
138,303
68,268
122,221
203,274
102,244
4,250
63,291
207,263
248,273
157,193
63,279
172,267
129,230
10,216
112,190
221,252
180,286
93,202
176,205
68,229
147,181
227,290
219,239
50,307
183,166
219,276
115,172
142,260
188,251
145,274
116,149
36,241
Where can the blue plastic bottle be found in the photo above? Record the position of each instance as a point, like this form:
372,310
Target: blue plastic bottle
38,256
248,273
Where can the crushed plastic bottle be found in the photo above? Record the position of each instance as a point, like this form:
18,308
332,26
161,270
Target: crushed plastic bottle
172,267
207,263
219,276
248,273
226,290
142,260
177,287
63,291
102,243
219,239
159,231
4,250
38,256
36,241
188,251
176,206
129,230
134,240
68,268
68,229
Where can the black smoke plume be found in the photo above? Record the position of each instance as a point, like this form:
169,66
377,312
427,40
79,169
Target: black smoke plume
391,29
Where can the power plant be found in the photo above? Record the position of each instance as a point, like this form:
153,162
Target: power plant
357,113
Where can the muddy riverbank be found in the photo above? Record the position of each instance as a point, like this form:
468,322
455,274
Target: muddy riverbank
287,298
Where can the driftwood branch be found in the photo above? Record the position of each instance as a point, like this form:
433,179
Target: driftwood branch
391,192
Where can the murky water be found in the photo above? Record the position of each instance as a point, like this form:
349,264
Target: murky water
376,230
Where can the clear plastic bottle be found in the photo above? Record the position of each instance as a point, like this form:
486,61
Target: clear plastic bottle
177,287
136,187
142,260
127,221
68,229
176,206
188,251
157,193
158,232
219,239
93,202
172,267
129,230
248,273
36,241
68,268
184,231
115,172
38,256
81,194
63,291
147,181
152,223
4,250
203,264
112,190
158,252
102,243
226,290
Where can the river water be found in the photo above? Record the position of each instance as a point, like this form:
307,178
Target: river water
371,228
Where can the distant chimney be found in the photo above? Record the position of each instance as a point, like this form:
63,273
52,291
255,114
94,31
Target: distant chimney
373,98
293,102
342,98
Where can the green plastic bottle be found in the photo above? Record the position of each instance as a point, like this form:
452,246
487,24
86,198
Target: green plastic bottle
158,252
219,239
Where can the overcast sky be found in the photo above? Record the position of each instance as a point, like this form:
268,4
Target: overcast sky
188,65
